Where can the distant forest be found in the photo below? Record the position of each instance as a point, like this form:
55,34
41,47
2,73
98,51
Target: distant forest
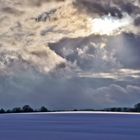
29,109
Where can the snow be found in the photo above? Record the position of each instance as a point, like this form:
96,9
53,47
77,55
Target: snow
70,126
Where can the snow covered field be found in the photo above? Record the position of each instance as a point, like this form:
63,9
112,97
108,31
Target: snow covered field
70,126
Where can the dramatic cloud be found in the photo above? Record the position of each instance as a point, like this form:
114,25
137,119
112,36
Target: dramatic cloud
68,54
61,93
108,25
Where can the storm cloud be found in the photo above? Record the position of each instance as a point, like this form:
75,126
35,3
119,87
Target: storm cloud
84,54
61,93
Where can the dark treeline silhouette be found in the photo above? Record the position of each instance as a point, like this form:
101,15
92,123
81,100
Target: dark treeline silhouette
28,109
136,108
24,109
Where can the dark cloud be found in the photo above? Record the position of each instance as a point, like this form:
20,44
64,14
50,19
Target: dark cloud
97,71
127,49
137,21
124,49
98,7
89,53
115,8
65,93
130,8
117,95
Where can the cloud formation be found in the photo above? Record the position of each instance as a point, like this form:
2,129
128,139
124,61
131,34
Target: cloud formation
66,93
69,54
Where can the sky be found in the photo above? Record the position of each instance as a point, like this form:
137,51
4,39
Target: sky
69,54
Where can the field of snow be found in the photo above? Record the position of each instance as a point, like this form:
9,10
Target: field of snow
70,126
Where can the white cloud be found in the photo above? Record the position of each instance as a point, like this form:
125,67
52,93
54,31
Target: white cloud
118,74
108,25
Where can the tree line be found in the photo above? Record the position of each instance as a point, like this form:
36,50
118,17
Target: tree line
136,108
24,109
28,109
